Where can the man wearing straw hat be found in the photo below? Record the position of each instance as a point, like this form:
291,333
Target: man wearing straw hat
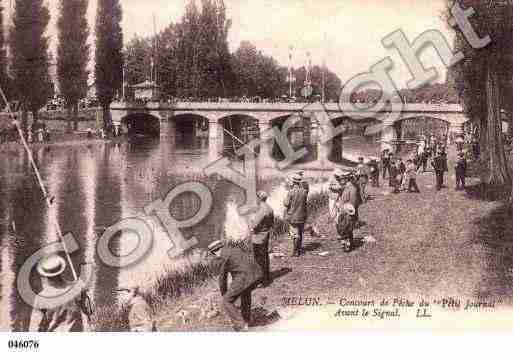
335,190
261,226
68,317
246,275
296,212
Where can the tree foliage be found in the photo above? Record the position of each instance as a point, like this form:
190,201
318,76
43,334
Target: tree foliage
483,80
5,81
194,61
109,53
30,56
73,52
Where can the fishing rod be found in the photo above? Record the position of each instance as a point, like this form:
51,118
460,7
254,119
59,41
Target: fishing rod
236,138
40,182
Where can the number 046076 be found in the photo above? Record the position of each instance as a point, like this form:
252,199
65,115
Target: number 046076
23,344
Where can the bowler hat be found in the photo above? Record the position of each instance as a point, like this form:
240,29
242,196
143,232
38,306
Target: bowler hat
215,246
51,266
262,195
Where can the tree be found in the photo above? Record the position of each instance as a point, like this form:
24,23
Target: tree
109,54
482,80
137,56
5,82
30,56
73,54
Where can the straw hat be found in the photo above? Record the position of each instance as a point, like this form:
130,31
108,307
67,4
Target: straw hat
51,266
297,178
338,173
349,209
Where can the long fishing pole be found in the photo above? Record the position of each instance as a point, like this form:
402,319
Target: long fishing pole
236,138
40,181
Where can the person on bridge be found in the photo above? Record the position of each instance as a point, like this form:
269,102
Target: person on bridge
296,213
261,227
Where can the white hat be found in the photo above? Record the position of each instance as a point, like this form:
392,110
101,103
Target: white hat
297,178
338,173
51,266
349,209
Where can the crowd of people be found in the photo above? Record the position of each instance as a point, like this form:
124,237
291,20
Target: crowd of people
249,268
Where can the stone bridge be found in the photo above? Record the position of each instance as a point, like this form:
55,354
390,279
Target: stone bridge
227,117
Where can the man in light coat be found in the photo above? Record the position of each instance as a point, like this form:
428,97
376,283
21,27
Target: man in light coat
295,204
261,227
68,317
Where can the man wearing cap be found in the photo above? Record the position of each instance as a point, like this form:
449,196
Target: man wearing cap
439,164
385,162
460,168
246,275
374,172
68,317
261,226
296,213
345,226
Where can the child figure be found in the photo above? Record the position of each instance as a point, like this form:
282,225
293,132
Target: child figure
345,226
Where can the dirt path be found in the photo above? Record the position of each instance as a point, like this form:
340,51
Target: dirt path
428,245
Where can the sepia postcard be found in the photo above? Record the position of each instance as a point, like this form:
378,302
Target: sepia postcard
255,166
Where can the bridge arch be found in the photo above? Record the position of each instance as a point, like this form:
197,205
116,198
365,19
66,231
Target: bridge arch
238,129
141,124
414,126
191,130
299,135
352,141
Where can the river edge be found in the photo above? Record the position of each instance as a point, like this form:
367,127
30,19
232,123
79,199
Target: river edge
409,256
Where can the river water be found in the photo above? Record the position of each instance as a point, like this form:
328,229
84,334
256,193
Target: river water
95,185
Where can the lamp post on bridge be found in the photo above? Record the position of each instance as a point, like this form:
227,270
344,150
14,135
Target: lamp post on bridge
290,78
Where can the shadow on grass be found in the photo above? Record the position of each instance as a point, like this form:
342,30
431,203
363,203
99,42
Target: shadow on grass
487,192
311,247
496,234
280,273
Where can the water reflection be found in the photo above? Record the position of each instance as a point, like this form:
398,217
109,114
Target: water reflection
93,187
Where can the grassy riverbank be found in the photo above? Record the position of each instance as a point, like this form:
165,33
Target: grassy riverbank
178,289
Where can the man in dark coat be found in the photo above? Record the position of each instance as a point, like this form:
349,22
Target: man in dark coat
246,275
261,226
385,162
352,196
460,168
374,172
439,164
296,213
